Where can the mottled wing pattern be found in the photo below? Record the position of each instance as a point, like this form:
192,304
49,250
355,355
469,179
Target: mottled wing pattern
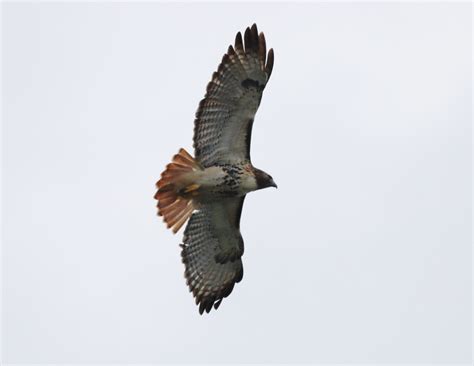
223,125
211,251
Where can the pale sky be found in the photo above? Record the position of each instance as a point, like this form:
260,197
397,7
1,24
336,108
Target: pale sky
363,254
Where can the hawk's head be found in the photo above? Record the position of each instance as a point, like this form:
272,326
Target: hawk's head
263,179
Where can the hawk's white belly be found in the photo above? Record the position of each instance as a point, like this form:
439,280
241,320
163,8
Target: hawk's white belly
218,181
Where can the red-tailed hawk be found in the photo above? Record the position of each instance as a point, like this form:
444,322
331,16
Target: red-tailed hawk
210,188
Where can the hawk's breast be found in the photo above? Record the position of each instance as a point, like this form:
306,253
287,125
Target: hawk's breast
227,180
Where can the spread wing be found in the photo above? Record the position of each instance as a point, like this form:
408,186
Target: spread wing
223,124
211,251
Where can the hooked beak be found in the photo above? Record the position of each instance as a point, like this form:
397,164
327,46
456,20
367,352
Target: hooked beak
273,184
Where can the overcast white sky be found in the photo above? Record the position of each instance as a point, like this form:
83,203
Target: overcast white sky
363,254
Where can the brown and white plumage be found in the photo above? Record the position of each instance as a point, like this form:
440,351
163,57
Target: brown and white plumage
224,119
211,251
211,188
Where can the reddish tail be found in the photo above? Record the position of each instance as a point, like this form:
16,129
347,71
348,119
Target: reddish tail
175,190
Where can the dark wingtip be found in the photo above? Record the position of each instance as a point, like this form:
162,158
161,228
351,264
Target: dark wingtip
262,49
217,303
239,45
254,29
269,65
254,36
247,40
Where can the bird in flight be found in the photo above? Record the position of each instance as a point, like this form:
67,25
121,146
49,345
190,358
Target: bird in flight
209,189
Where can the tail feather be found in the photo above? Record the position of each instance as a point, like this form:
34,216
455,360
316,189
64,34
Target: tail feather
173,205
183,153
188,211
182,161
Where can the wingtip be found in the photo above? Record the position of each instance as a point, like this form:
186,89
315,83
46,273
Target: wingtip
254,28
217,304
262,50
239,44
247,40
270,60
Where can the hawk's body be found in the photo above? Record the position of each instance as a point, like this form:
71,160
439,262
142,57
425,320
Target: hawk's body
210,188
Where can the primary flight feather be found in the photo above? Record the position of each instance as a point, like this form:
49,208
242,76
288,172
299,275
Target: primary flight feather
210,188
